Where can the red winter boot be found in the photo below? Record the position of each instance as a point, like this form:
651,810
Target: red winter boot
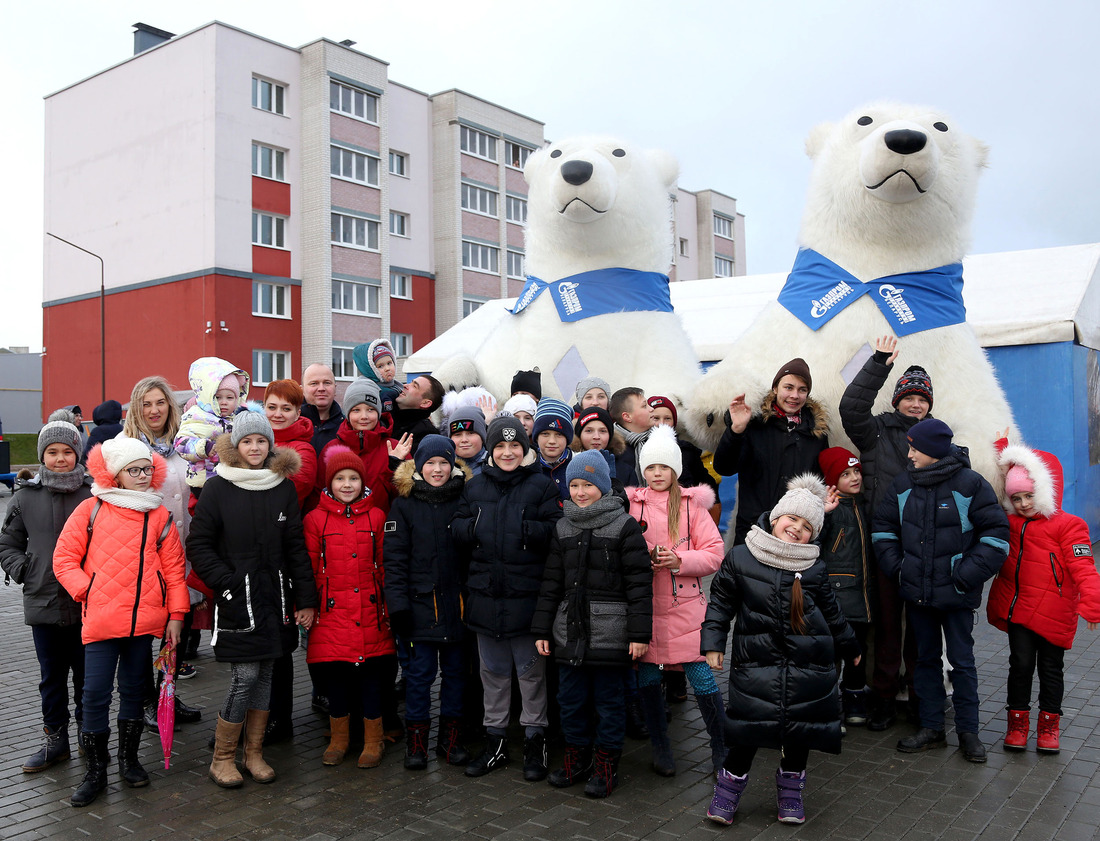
1048,733
1018,723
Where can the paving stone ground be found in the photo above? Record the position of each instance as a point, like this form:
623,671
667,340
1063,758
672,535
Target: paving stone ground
870,791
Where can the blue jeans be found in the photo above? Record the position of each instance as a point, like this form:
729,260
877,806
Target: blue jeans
420,671
131,657
584,688
930,628
59,651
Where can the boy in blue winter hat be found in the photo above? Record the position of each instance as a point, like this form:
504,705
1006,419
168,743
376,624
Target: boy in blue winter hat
552,433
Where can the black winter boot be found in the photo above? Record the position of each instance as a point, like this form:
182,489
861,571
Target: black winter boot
535,758
654,708
714,717
416,744
129,740
576,765
449,742
55,748
495,755
605,772
98,757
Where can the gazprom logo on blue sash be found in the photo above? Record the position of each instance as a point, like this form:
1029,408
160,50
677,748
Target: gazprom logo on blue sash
600,292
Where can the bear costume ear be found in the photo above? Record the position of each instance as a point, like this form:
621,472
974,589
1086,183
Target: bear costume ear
817,138
665,165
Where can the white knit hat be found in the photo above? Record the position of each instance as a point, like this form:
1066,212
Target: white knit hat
520,403
805,498
661,448
121,451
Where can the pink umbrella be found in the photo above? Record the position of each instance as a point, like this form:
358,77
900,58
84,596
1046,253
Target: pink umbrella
166,706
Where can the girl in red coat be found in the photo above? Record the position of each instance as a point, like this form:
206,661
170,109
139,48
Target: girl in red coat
685,546
1047,581
120,557
366,432
351,641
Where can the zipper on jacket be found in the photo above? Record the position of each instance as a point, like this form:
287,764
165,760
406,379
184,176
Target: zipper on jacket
1019,557
839,538
862,556
140,574
88,593
1054,572
282,599
163,590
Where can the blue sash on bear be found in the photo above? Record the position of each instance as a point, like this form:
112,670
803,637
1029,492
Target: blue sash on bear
817,289
600,292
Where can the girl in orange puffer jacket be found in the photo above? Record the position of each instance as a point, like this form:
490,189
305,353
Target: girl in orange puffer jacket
120,557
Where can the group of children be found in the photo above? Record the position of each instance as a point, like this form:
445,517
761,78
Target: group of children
551,531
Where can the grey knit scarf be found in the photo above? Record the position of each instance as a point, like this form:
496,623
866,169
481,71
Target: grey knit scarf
603,511
62,483
779,554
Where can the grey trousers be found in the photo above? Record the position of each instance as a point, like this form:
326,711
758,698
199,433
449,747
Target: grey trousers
497,659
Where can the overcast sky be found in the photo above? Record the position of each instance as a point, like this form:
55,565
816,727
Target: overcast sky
730,88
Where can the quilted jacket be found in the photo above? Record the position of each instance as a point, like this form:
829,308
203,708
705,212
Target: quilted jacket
345,547
126,585
297,437
372,449
1049,577
33,523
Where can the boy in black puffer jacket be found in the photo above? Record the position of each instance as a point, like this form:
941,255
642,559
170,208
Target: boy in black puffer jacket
424,579
596,604
941,534
850,560
505,519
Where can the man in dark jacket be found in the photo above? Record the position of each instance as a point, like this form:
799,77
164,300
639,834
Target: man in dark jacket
413,408
883,447
941,534
319,387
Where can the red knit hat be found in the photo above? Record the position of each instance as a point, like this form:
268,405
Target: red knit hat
341,458
835,461
658,402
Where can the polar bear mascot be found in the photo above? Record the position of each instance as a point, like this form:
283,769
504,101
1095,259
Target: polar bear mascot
598,246
884,232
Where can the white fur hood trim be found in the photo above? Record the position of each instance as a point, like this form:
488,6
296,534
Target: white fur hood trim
1047,497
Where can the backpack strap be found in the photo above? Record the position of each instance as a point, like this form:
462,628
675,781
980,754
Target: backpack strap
91,522
164,533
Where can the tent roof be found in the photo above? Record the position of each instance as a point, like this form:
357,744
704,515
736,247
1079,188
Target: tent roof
1012,298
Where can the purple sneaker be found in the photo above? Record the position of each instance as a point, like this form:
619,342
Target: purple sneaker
727,795
788,790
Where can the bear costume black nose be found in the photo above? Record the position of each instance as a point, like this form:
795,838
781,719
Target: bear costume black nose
905,141
576,172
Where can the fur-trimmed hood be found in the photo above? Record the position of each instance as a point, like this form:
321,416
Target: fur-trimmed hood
818,412
406,476
103,477
1045,471
206,374
282,461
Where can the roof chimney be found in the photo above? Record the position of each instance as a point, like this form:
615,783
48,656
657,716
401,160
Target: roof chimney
146,37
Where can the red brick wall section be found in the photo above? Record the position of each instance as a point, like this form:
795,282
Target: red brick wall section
270,196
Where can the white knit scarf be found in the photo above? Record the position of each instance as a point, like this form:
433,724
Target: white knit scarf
134,500
247,479
779,554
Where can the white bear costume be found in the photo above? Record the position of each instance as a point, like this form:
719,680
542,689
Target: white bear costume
892,193
594,204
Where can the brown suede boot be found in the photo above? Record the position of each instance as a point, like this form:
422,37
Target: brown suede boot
223,767
338,741
373,743
255,723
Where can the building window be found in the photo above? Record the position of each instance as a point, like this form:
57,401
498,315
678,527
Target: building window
343,363
268,96
479,257
355,298
399,164
353,102
399,224
469,305
268,162
270,299
723,267
355,231
516,208
353,166
723,227
268,230
683,247
401,286
269,365
479,200
515,264
402,343
515,155
479,143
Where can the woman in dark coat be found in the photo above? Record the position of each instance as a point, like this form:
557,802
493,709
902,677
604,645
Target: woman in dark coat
246,544
787,626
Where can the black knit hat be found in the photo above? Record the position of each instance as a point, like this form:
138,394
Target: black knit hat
915,380
431,446
528,381
932,437
595,413
507,428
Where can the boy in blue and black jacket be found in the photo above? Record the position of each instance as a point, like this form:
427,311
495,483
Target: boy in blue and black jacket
940,533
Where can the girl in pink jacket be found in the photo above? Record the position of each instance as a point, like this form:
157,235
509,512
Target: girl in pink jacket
685,546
